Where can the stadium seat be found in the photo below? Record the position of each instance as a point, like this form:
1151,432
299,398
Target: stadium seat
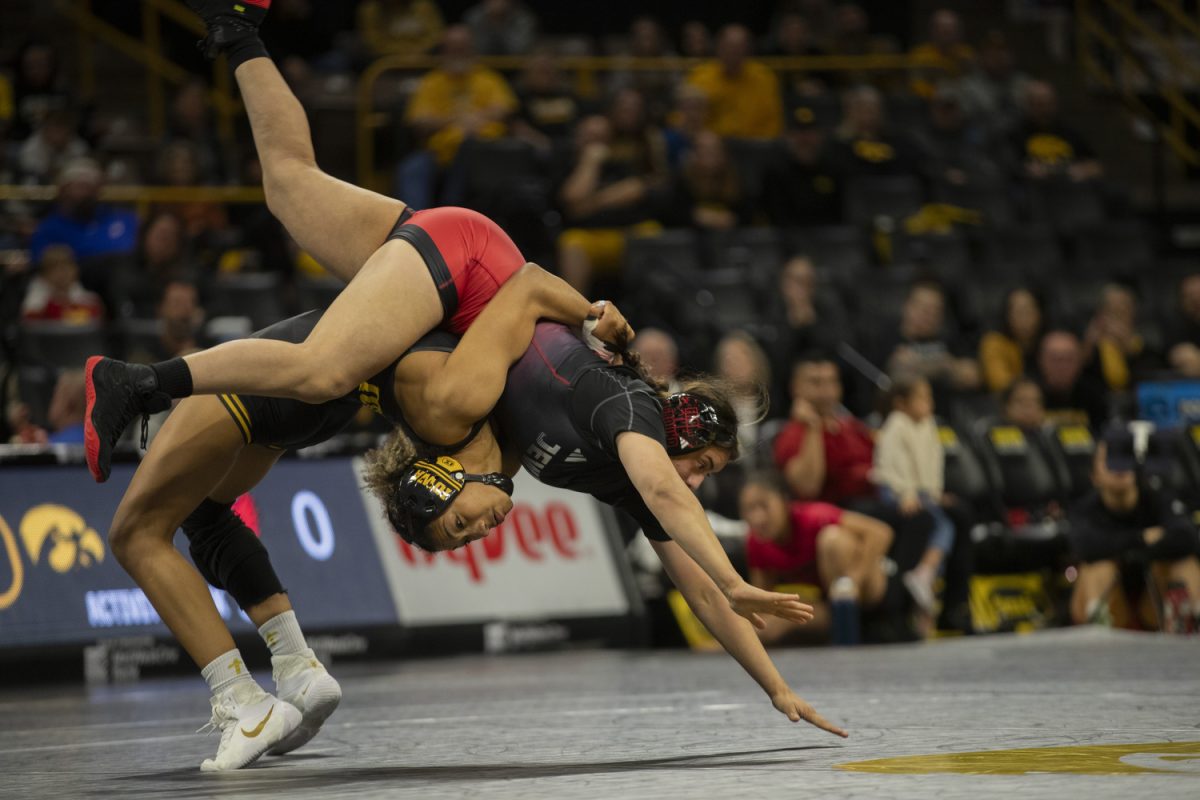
1067,206
966,477
139,336
1025,252
35,387
254,295
317,292
947,255
675,250
1113,249
839,252
730,298
759,250
982,298
1072,301
1022,473
991,200
751,158
1072,447
62,345
869,198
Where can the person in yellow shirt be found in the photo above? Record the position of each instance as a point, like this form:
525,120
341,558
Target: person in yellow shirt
458,100
944,56
1006,353
399,27
743,94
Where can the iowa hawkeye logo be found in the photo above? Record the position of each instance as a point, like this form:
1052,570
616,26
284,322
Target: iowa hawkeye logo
1099,759
52,533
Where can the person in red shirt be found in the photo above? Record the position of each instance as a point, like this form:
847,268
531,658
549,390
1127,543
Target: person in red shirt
56,294
815,543
835,466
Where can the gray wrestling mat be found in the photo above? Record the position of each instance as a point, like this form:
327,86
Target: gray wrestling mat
1075,713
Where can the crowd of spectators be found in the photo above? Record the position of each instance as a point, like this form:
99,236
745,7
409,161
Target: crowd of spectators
977,297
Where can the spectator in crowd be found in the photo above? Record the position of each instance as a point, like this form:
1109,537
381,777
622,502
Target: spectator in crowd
502,27
191,122
636,141
1112,344
1072,396
80,221
1127,516
792,37
952,148
803,187
743,94
852,31
604,195
67,405
1046,147
864,144
458,100
944,55
180,325
688,119
1022,405
56,294
706,192
924,346
824,452
813,543
647,40
694,40
1183,338
660,355
547,108
909,471
1006,353
162,256
742,363
991,92
805,320
37,88
205,224
51,146
22,428
399,27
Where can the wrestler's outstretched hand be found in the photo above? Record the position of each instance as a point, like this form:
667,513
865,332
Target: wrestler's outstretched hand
606,330
796,708
751,602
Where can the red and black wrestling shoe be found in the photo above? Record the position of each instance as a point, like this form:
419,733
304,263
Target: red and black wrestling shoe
230,23
116,394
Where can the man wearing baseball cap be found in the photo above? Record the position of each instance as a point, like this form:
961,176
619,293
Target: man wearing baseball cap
80,221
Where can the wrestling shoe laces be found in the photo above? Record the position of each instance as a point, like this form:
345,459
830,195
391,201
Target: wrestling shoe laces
228,22
117,393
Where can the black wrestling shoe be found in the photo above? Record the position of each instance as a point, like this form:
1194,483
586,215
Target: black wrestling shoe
229,22
116,394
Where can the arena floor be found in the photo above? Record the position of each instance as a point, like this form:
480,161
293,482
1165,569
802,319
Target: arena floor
1120,713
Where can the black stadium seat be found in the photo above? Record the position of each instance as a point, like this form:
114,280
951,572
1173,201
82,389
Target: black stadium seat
1114,249
675,250
869,198
990,199
1025,252
947,254
1067,206
1073,448
759,250
966,477
836,250
62,345
1022,472
730,298
255,295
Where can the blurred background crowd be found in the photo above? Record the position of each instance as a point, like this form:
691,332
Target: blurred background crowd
947,255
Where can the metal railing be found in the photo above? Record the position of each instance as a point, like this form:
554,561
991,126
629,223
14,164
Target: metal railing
1112,43
584,69
159,70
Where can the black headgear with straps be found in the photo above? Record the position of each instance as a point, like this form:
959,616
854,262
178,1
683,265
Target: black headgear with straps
426,490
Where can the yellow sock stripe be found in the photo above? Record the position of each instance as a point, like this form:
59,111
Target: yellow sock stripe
237,414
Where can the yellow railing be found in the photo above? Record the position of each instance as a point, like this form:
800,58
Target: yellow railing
585,69
1105,32
159,70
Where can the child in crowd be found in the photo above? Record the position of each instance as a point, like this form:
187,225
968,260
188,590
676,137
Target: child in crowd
818,543
908,470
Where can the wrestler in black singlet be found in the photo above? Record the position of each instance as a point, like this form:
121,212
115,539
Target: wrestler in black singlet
562,409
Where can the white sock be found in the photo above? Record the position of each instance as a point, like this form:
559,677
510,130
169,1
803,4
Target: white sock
283,635
225,671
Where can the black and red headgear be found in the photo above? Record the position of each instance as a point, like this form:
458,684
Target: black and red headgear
692,424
